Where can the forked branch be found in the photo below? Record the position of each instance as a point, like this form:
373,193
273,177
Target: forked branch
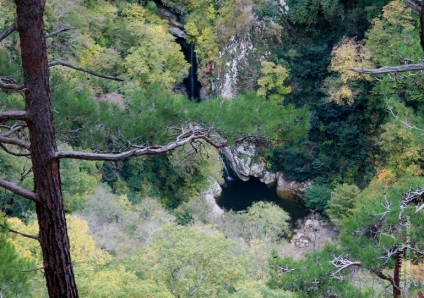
181,140
19,190
93,73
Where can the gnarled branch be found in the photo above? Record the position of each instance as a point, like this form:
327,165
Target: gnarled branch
7,32
62,63
14,141
389,69
13,153
10,84
181,140
19,190
13,115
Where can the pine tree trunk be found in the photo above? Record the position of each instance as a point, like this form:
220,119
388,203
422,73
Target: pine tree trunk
53,235
396,275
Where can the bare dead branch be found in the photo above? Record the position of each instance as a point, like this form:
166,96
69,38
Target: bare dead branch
9,84
14,141
389,69
7,32
13,115
58,31
19,233
62,63
286,269
19,190
419,209
181,140
342,262
413,197
415,6
35,269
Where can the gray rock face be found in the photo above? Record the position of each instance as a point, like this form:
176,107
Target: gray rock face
210,195
245,163
285,187
176,28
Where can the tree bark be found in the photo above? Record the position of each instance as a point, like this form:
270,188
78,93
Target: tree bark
53,234
422,24
396,274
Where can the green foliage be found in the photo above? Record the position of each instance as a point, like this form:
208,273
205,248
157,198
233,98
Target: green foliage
263,220
258,289
296,164
379,216
154,57
317,196
194,210
13,282
192,262
310,277
79,179
342,202
271,83
311,12
253,115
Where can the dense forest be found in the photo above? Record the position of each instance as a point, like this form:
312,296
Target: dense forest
120,119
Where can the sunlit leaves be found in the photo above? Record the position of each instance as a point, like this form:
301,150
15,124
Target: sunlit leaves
271,83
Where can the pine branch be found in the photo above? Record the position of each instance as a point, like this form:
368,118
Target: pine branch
14,141
12,130
35,269
58,31
389,69
9,84
13,153
19,233
62,63
181,140
7,32
19,190
13,115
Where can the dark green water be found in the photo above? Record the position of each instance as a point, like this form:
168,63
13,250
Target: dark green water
238,195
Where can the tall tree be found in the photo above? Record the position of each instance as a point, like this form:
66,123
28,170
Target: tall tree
38,119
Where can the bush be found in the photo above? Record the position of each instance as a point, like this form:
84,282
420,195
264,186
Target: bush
317,196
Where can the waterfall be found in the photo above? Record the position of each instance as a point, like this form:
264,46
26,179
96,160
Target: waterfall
227,173
192,74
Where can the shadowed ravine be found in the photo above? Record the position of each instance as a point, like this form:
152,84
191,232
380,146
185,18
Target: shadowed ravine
238,195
